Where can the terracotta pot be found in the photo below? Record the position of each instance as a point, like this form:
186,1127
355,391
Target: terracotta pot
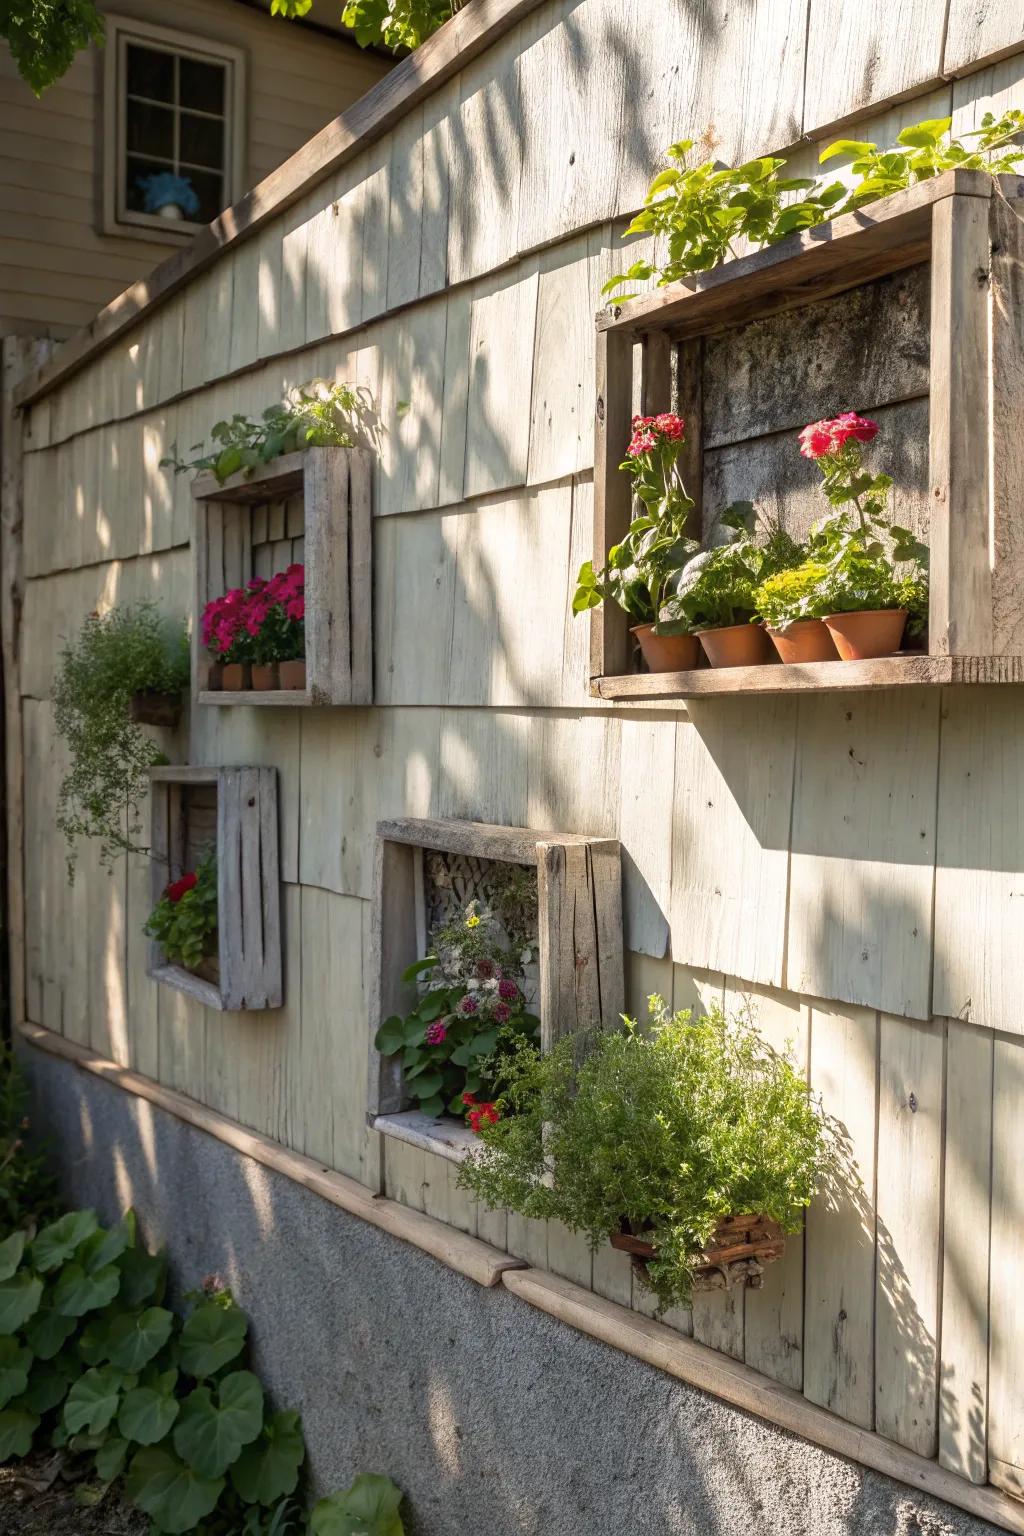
149,707
738,645
264,676
666,653
803,640
292,674
236,676
862,636
215,677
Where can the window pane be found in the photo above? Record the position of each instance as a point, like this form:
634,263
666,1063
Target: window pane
150,72
201,140
138,170
150,130
201,85
210,191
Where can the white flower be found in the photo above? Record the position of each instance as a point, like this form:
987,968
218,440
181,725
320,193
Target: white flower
526,956
491,984
472,984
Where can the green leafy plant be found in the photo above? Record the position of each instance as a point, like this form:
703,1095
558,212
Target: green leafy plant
184,920
641,568
469,1013
704,212
369,1508
670,1130
790,595
115,655
395,23
28,1189
320,415
718,587
45,35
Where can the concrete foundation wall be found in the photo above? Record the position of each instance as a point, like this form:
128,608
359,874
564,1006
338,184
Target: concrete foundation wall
490,1415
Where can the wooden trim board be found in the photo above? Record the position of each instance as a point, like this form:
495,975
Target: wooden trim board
445,1138
906,671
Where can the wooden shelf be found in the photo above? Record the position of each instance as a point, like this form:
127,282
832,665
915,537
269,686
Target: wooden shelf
256,696
815,677
271,482
445,1137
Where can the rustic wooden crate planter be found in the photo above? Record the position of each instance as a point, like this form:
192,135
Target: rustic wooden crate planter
334,543
965,224
737,1254
242,815
579,890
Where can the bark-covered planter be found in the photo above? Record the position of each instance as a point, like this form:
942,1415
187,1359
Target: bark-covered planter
150,707
737,1253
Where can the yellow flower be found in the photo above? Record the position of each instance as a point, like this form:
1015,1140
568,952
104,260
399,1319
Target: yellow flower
473,922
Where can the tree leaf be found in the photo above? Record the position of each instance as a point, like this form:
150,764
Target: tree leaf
19,1300
15,1364
11,1250
174,1497
369,1508
93,1400
134,1340
17,1426
268,1469
77,1292
212,1433
148,1414
58,1242
212,1337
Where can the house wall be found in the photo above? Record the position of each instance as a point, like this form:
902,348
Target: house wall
56,268
849,863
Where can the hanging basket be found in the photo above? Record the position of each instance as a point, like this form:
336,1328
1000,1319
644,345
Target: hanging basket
737,1253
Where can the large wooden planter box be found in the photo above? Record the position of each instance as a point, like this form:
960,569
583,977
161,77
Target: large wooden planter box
580,982
965,225
237,809
311,507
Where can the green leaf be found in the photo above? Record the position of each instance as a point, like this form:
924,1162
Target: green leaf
174,1496
142,1276
426,1084
111,1458
135,1339
211,1337
47,1332
47,1387
268,1469
369,1508
57,1243
102,1248
417,968
94,1341
148,1414
845,147
211,1434
78,1292
11,1250
15,1364
927,134
19,1300
17,1426
484,1043
391,1036
93,1401
432,1106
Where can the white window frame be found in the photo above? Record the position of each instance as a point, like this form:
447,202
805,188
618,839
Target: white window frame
116,219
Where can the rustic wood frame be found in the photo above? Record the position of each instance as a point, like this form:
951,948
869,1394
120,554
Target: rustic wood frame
248,883
336,488
965,223
579,927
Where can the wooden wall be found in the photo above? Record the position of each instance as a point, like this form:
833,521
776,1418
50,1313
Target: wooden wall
853,864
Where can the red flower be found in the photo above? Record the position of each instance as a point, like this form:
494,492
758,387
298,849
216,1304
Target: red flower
649,432
177,888
468,1098
478,1116
825,437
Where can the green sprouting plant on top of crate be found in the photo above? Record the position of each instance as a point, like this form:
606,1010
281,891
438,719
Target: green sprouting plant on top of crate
319,415
708,212
115,658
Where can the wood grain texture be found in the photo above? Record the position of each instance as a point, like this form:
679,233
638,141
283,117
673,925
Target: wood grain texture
1005,399
501,347
850,63
975,31
908,670
1006,1387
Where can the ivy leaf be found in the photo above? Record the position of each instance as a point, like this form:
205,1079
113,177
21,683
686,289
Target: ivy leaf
58,1242
93,1400
15,1364
268,1469
211,1435
135,1339
48,1331
17,1426
148,1414
19,1300
78,1292
174,1497
369,1508
212,1337
11,1250
110,1459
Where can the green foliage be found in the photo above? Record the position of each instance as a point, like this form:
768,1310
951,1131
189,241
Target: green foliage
27,1186
671,1130
115,655
184,922
395,23
717,587
369,1508
321,415
45,35
704,212
787,596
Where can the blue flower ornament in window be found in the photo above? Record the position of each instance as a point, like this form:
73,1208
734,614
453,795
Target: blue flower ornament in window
169,196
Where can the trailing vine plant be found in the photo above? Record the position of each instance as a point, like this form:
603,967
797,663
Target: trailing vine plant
320,415
115,655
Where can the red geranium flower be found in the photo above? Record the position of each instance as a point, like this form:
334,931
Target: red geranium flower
178,888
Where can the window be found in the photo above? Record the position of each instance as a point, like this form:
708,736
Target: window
173,114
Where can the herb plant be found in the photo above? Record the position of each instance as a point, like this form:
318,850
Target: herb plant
320,415
704,212
184,920
470,1013
115,655
672,1130
718,587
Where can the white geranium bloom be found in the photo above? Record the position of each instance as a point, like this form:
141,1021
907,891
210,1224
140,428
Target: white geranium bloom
526,956
473,984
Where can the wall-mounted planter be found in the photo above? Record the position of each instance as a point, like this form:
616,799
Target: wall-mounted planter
964,224
235,809
312,507
737,1253
580,982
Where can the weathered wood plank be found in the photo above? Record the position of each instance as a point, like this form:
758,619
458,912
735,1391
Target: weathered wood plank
501,346
609,629
975,31
1006,1383
647,780
851,62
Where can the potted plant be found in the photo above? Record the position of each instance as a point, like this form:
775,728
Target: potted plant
875,582
640,571
322,414
125,668
791,604
664,1134
256,633
715,593
470,1011
184,920
168,196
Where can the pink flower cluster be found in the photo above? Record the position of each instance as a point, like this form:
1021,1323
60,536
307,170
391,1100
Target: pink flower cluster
826,437
649,432
245,611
